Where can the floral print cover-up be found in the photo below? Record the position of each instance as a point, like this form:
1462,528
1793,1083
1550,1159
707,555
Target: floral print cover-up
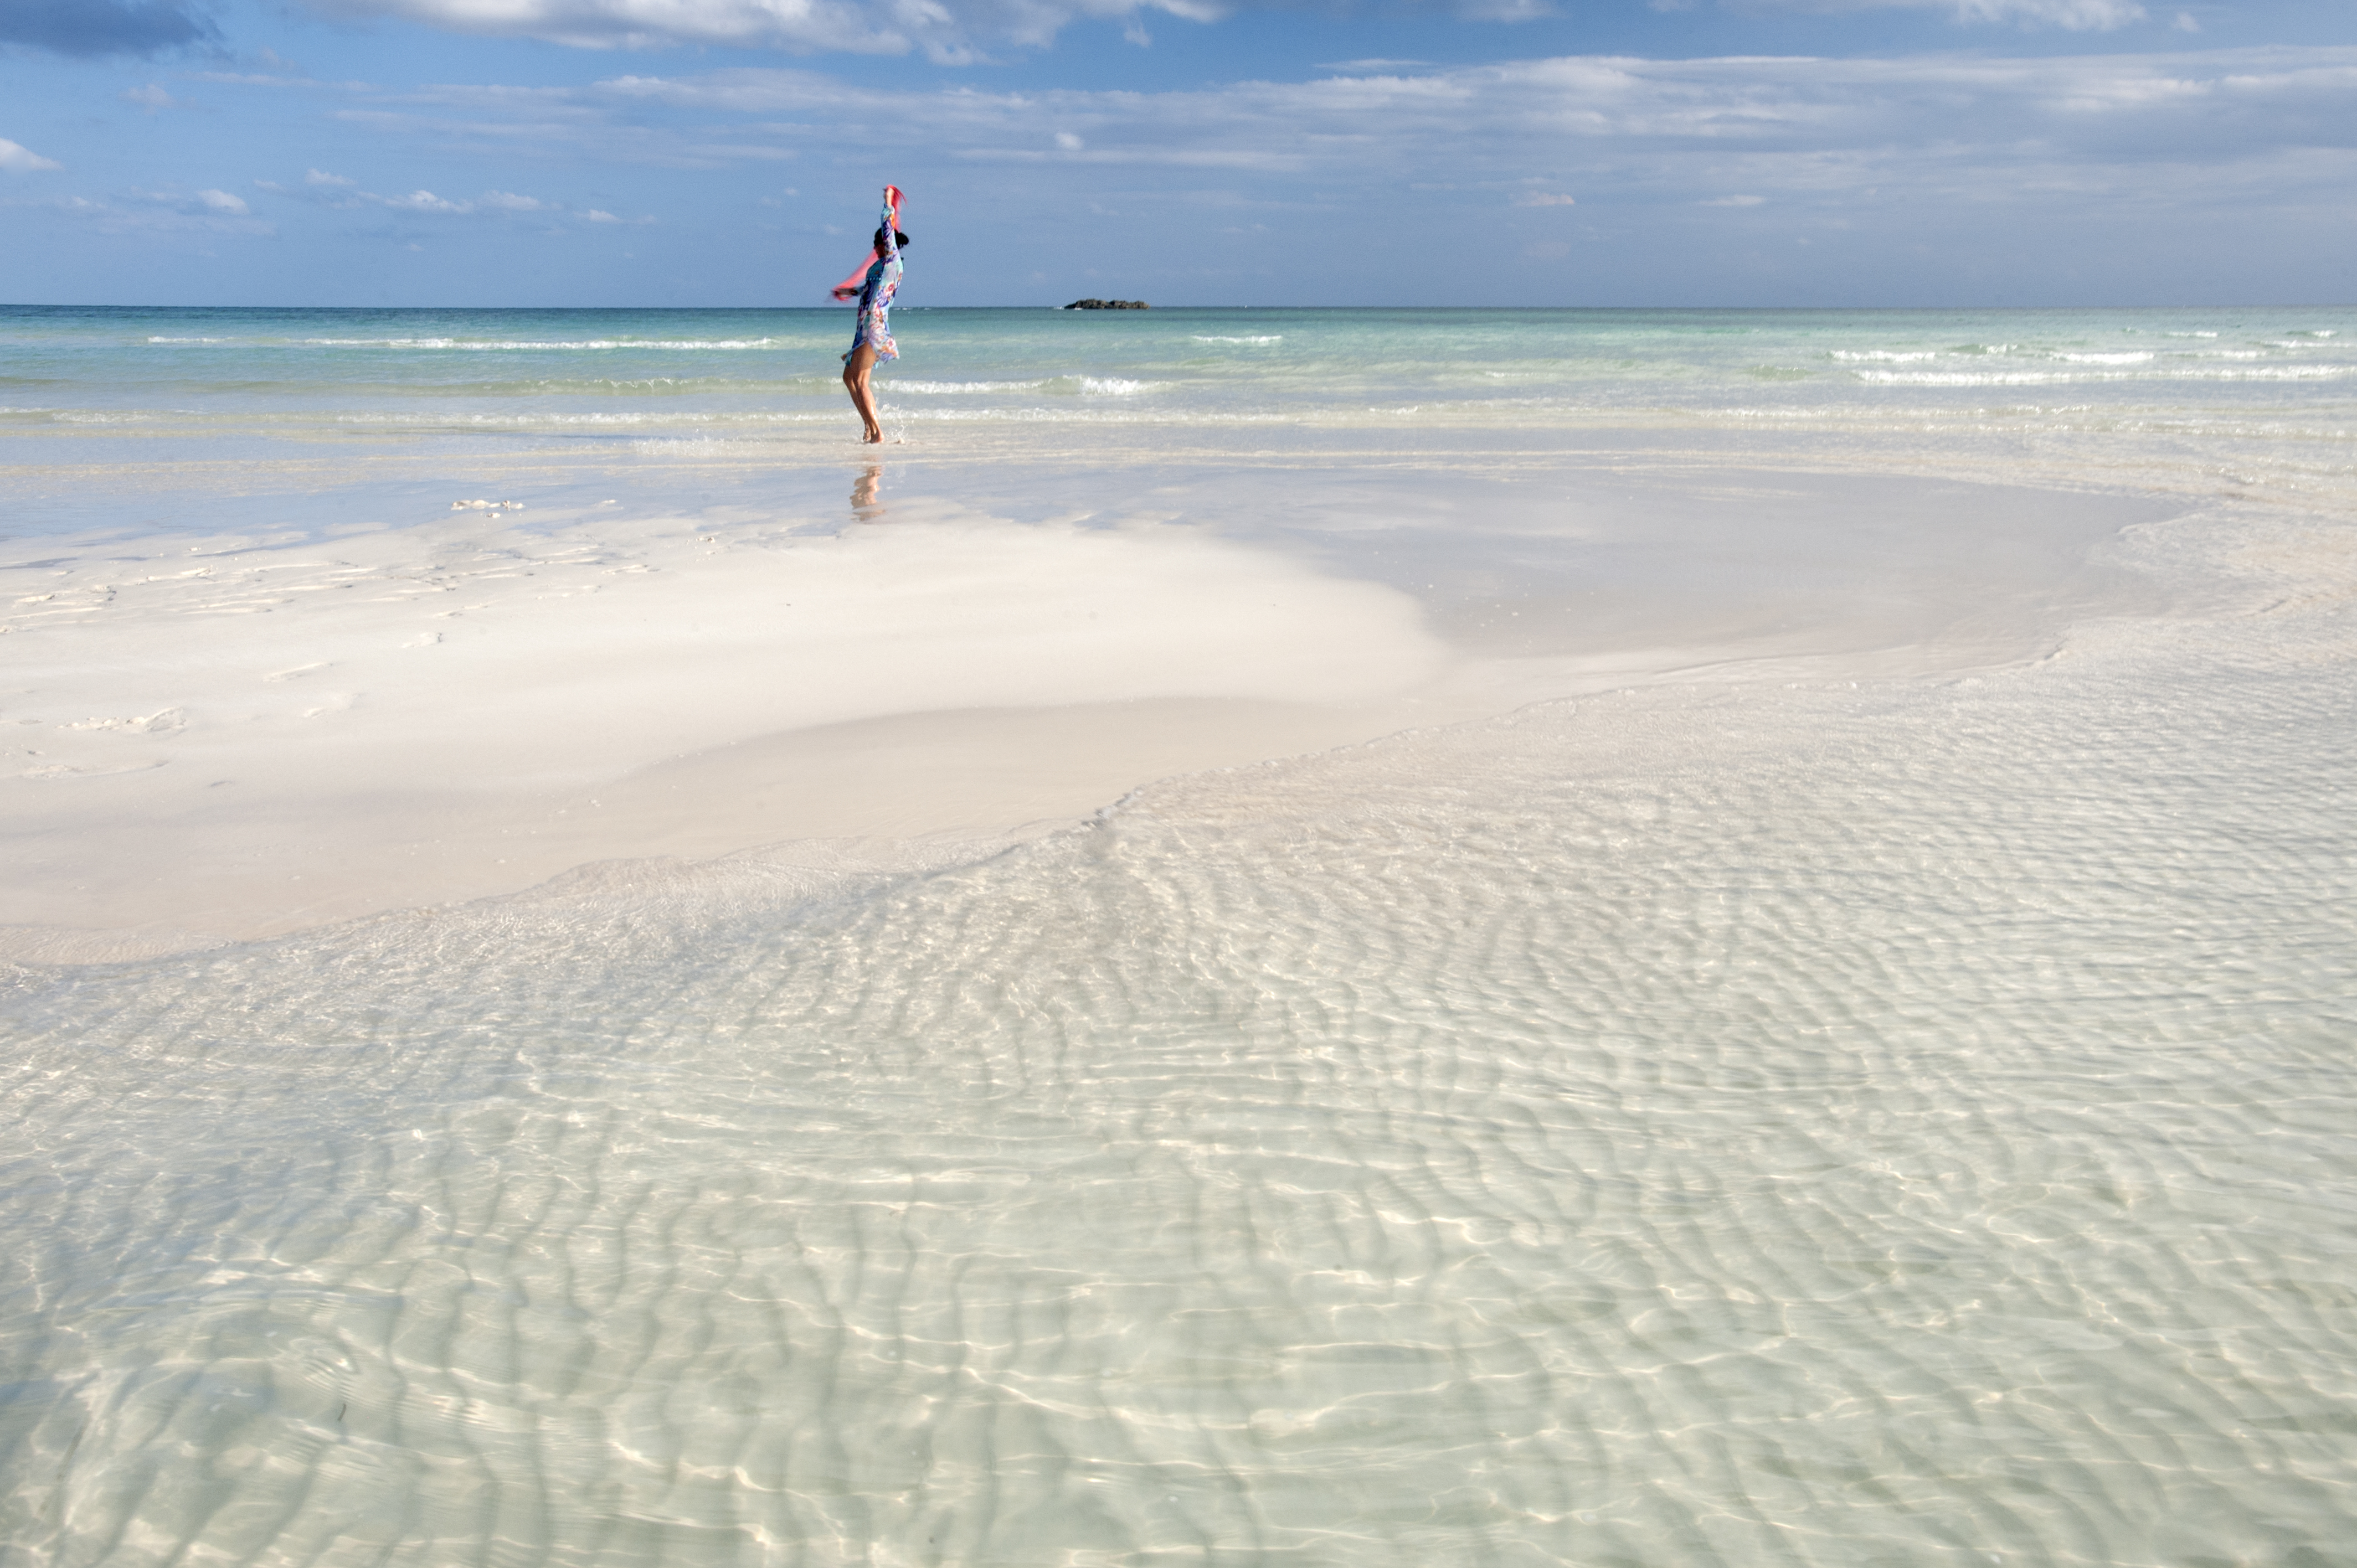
874,327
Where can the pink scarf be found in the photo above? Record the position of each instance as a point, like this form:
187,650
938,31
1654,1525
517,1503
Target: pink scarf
850,288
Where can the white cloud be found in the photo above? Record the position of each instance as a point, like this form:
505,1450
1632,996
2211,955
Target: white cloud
2209,132
1544,198
320,189
947,30
724,152
1952,175
166,211
23,160
252,79
150,98
2076,15
1687,129
966,30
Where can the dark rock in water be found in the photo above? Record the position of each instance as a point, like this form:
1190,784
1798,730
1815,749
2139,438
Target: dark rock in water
1108,304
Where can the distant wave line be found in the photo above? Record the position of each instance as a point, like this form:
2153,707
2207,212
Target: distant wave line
2049,378
500,345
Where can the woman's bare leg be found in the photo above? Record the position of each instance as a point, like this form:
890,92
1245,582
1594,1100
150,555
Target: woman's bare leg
863,396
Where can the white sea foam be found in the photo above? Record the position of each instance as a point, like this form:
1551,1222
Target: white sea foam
1263,338
944,389
1069,413
2045,378
534,346
459,419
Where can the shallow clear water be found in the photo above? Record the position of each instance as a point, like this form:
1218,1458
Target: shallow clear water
1909,1121
1824,1125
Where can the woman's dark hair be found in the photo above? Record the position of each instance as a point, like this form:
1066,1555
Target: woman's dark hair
899,240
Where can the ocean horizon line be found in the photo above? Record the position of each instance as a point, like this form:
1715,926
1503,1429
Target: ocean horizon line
1318,310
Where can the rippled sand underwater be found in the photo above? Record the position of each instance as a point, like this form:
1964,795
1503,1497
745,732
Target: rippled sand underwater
1898,1125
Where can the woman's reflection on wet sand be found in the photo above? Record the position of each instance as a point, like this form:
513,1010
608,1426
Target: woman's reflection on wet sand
864,506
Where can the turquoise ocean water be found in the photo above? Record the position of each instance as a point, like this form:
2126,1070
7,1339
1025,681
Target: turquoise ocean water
170,384
1769,1119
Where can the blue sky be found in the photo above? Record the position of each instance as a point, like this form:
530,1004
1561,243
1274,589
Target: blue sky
1496,153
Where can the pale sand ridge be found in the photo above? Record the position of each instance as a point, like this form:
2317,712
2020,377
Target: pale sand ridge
229,738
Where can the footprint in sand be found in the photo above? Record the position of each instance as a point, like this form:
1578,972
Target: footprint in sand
162,721
298,673
66,770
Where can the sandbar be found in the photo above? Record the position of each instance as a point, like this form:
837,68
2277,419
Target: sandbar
218,735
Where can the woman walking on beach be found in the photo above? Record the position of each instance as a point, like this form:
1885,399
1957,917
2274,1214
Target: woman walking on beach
872,339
